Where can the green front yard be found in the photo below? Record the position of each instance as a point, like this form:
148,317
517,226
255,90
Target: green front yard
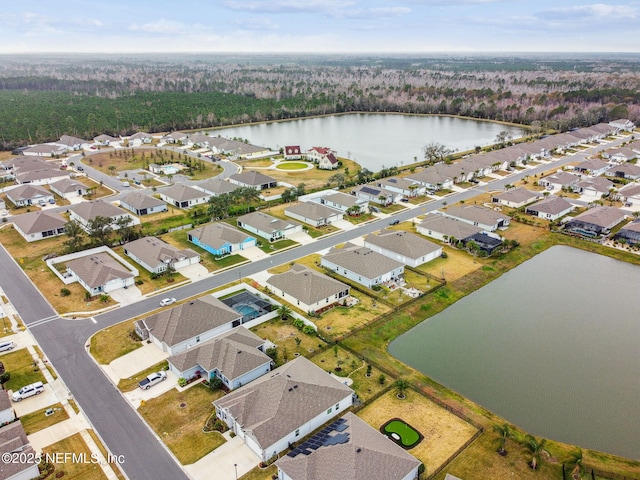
20,365
38,420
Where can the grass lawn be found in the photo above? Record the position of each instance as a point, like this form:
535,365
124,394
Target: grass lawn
150,284
113,342
19,364
36,421
207,260
284,335
292,165
131,383
443,432
178,418
260,473
314,232
85,471
341,320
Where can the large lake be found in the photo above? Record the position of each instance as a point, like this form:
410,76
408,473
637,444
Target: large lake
373,140
552,346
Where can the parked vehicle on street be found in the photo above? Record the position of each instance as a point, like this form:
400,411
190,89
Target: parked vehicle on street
152,379
394,222
167,301
28,391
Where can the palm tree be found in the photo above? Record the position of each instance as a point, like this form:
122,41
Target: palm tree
534,446
504,431
401,386
284,312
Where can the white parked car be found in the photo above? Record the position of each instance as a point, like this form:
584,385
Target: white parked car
27,391
4,346
152,379
167,301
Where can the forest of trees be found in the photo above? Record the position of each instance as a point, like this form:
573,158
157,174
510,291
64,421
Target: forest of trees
43,98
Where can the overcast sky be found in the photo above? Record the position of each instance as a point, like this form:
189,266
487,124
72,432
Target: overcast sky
411,26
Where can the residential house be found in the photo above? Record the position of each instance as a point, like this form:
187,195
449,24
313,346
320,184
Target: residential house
142,204
140,138
346,203
403,186
280,408
316,154
183,196
35,171
100,273
105,140
619,155
69,188
156,255
516,197
314,214
559,179
550,208
431,180
184,326
362,265
235,148
7,415
630,194
220,239
630,233
85,212
268,227
486,219
235,357
307,289
446,229
292,152
594,187
197,140
629,171
328,162
403,246
592,166
595,221
180,138
35,226
373,194
216,186
348,449
25,195
72,143
253,179
623,124
13,440
45,150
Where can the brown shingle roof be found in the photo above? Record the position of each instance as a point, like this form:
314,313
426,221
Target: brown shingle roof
36,222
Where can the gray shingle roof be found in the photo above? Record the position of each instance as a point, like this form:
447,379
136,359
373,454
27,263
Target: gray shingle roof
474,213
98,269
252,178
96,208
266,223
407,244
367,455
278,403
36,222
14,439
181,192
601,216
26,192
140,200
189,319
234,353
154,251
67,185
448,226
362,261
561,178
342,199
306,285
551,205
517,195
216,186
217,235
312,210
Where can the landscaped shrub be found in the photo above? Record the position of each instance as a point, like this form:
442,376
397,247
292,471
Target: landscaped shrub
299,324
309,330
65,292
5,377
182,381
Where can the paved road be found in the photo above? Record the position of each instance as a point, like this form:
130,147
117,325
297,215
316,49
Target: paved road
63,341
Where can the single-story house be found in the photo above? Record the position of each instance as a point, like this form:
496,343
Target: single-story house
7,415
105,140
216,186
594,187
630,233
559,179
314,214
100,273
35,171
268,227
253,179
235,357
220,238
432,180
403,246
186,325
140,138
475,215
175,137
85,212
348,449
156,255
68,188
619,154
550,208
142,204
373,194
292,152
362,265
35,226
595,221
403,186
13,440
344,202
484,242
446,229
45,150
307,289
25,195
592,166
629,171
73,143
623,124
183,196
516,197
630,193
284,406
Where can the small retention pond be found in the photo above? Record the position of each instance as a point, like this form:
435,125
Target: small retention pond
552,346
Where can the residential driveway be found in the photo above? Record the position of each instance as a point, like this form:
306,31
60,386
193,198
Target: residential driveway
194,272
301,237
224,460
261,277
21,339
31,404
126,296
137,395
343,225
253,253
134,362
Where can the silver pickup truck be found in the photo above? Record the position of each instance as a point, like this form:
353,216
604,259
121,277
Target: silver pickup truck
152,379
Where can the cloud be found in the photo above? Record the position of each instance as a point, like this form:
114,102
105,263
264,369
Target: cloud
288,6
256,23
161,26
596,11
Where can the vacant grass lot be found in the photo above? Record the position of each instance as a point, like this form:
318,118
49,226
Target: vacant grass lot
178,418
80,470
36,421
19,364
443,432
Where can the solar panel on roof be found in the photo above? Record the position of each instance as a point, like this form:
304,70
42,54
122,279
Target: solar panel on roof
370,190
291,454
342,427
306,452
